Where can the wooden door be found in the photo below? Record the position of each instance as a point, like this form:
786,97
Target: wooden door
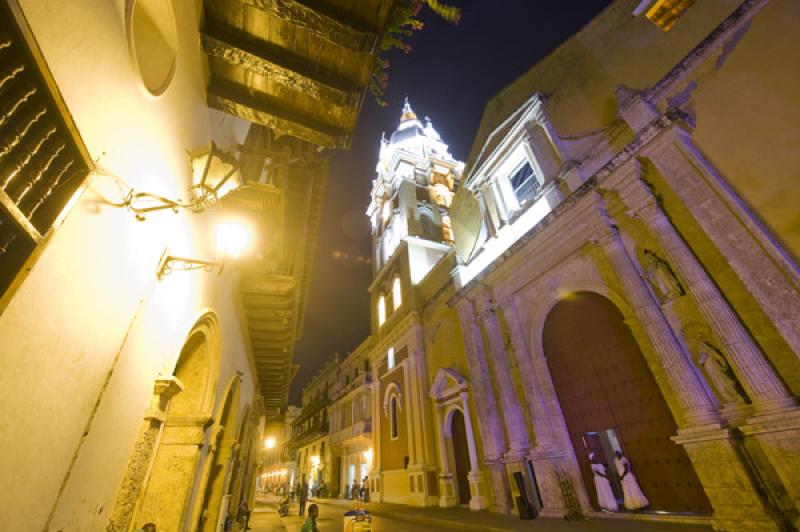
603,382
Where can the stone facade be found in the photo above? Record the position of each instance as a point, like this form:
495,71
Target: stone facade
635,213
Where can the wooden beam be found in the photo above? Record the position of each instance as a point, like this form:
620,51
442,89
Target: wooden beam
335,27
239,48
236,100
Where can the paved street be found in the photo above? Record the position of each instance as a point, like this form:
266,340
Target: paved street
394,517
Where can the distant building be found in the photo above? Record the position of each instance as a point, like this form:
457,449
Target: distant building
351,423
278,458
310,430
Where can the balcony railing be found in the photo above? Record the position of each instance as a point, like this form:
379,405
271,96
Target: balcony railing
354,430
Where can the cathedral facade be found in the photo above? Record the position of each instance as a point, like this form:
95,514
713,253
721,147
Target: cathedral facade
604,286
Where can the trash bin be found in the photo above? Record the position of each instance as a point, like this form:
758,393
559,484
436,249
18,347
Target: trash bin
357,521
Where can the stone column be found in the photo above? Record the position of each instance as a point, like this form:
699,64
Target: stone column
446,484
512,414
696,407
485,402
131,491
477,500
762,384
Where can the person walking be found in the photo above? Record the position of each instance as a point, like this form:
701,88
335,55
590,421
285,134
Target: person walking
634,497
605,496
310,524
302,497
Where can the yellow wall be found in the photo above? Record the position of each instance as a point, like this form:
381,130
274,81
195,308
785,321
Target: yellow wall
89,330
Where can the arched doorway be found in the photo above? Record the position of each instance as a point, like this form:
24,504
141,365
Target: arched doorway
610,400
458,440
167,493
223,441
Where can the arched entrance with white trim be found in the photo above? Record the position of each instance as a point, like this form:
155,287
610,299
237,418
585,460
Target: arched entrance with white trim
460,479
611,401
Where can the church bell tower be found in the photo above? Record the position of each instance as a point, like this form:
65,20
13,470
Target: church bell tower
409,209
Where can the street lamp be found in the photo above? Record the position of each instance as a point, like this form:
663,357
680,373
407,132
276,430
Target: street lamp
232,238
215,173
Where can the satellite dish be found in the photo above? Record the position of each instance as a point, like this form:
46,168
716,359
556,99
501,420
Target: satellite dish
467,220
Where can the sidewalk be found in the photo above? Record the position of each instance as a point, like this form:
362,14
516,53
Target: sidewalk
265,516
465,519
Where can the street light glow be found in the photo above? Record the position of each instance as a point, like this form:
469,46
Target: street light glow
232,238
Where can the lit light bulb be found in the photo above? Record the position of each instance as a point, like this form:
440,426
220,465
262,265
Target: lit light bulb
269,443
232,238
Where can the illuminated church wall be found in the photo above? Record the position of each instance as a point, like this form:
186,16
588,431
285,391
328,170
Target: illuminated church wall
638,166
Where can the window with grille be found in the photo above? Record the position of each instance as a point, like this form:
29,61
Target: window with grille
41,166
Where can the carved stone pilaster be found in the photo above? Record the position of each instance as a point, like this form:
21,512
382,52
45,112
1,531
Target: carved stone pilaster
530,377
485,401
512,414
759,379
696,407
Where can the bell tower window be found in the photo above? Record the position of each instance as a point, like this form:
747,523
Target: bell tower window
397,295
381,310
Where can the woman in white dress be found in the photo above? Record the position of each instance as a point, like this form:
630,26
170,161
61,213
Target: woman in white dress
605,497
634,498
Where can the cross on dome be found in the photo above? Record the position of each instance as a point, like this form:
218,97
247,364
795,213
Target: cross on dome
408,113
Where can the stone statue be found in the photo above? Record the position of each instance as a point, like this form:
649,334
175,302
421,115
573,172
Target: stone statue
660,276
717,371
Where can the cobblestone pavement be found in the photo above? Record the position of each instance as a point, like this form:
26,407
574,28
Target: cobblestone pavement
400,518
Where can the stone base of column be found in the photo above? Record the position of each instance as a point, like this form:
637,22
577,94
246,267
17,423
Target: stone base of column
423,486
778,439
477,489
501,496
727,480
736,414
447,491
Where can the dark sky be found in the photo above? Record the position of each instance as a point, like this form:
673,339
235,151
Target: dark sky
450,75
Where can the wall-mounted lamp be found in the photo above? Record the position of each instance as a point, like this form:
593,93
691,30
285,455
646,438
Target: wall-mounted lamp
215,173
232,238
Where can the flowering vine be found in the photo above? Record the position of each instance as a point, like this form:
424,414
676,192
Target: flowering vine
401,24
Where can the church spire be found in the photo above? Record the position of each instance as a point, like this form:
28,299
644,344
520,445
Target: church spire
408,113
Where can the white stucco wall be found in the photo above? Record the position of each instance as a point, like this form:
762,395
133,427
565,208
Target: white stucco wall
91,327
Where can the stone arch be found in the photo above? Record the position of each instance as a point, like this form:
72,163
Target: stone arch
167,494
240,475
609,400
223,446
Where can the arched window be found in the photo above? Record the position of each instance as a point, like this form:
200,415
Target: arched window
393,417
397,295
381,310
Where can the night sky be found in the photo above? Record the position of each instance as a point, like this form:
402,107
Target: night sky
451,73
